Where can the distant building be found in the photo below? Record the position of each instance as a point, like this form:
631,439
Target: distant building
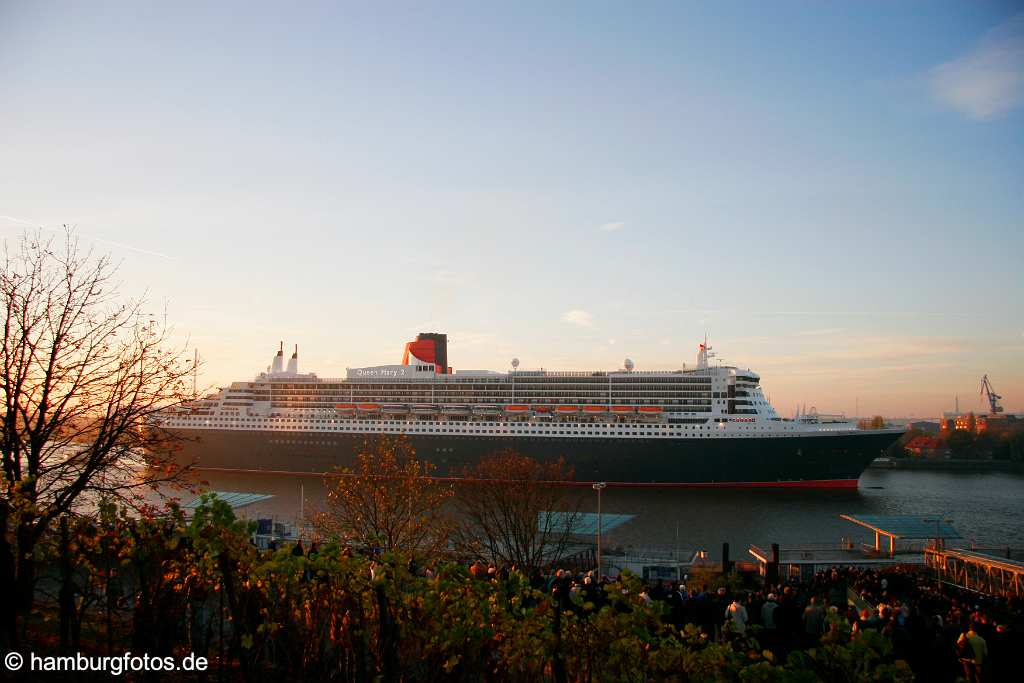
964,422
976,424
926,426
927,447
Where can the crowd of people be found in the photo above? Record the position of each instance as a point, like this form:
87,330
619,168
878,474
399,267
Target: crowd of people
942,632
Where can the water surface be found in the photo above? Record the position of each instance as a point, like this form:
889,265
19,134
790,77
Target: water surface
987,508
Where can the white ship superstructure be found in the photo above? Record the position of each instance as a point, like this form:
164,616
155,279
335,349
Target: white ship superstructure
708,401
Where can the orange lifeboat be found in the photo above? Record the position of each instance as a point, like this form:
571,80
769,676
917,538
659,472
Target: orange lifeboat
542,409
622,410
368,407
344,407
566,410
517,409
650,410
594,410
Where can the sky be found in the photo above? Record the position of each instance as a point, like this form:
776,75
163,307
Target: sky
832,192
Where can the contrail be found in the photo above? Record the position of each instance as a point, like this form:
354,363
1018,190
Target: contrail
141,251
18,220
94,239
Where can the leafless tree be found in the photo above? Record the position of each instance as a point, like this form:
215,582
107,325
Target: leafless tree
388,501
84,373
513,509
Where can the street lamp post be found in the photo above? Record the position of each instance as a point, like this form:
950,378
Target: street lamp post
599,486
938,541
939,546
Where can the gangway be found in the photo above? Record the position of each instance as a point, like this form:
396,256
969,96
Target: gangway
977,572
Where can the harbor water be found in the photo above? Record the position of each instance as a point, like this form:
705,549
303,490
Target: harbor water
986,508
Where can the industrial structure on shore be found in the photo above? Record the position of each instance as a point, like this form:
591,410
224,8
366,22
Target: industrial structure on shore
994,422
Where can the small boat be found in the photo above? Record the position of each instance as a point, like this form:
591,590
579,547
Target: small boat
623,410
650,410
344,407
517,409
423,409
395,409
368,407
455,410
542,409
567,410
595,410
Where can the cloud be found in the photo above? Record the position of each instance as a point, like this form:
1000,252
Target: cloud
469,338
987,82
578,317
450,278
822,331
858,353
837,312
611,227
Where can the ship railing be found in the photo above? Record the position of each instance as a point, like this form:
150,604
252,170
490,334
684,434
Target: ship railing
1005,551
811,551
806,551
916,547
681,553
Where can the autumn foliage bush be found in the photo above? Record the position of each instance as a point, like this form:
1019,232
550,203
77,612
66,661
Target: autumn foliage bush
167,584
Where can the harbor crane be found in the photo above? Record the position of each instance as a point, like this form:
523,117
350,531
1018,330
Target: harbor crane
993,397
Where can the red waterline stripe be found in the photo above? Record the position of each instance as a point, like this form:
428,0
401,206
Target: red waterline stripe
802,484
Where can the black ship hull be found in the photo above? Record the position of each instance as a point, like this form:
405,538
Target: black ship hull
815,461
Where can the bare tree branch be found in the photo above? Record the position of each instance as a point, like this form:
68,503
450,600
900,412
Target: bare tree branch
512,509
84,375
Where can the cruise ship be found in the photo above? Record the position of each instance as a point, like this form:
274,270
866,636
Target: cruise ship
707,425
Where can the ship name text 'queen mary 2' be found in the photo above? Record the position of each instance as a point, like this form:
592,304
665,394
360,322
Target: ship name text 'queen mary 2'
710,425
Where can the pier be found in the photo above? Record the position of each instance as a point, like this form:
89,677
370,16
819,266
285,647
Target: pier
905,540
975,571
900,527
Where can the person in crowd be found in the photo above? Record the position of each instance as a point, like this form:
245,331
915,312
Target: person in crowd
311,554
787,621
736,614
973,650
754,603
704,609
676,601
720,603
813,622
768,612
770,636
